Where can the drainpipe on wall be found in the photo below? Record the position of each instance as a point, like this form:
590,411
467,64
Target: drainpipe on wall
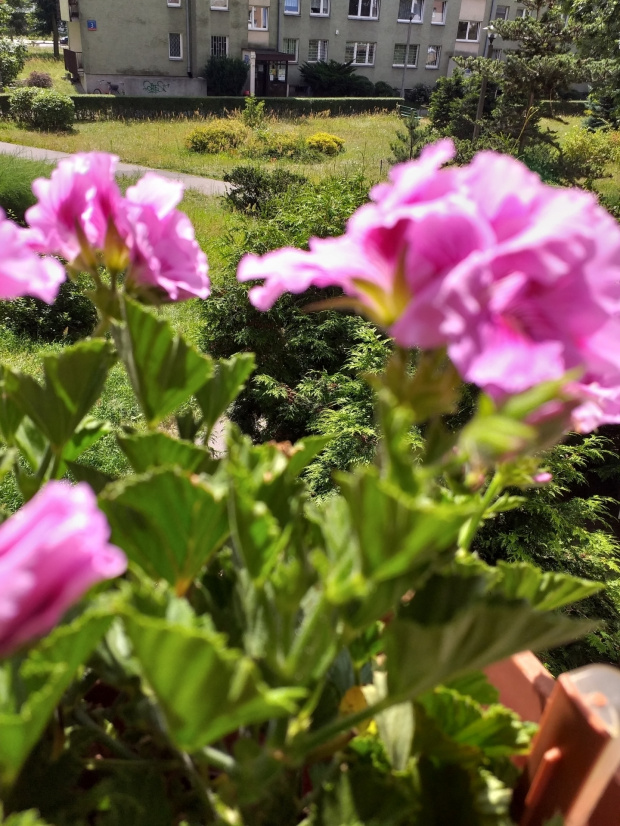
188,37
279,29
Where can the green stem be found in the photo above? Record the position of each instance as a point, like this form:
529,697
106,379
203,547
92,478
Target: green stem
114,745
471,526
305,635
218,759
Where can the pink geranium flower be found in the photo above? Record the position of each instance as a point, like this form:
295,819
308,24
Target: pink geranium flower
22,271
519,280
53,550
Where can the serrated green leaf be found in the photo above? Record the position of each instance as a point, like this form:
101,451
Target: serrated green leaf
546,591
151,450
73,381
30,688
475,685
168,522
221,389
163,369
93,477
205,689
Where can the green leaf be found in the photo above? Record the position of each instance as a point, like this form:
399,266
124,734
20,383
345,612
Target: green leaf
32,443
150,450
31,687
73,380
304,451
221,389
8,457
450,628
475,685
93,477
546,591
168,522
163,369
10,414
205,689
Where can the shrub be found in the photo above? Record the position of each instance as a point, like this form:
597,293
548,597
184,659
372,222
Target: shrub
268,144
71,317
16,177
225,75
333,79
419,96
220,135
383,89
588,154
40,79
12,59
257,190
20,104
326,143
253,113
52,111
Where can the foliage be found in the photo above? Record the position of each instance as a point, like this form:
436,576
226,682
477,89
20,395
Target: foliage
219,135
253,113
42,108
14,18
16,177
269,143
588,155
383,90
12,60
225,76
42,80
453,103
334,79
326,143
410,142
420,95
255,189
20,104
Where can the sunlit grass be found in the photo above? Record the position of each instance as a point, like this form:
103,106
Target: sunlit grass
44,61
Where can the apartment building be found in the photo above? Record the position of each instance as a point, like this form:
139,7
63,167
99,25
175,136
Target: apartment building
160,47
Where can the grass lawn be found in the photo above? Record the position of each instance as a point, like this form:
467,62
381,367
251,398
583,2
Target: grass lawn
43,60
160,144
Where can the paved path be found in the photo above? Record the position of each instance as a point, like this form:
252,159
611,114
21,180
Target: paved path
208,186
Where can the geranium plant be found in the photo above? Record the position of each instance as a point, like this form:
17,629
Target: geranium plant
248,655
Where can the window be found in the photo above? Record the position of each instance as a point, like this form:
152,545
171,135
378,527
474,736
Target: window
439,12
291,46
468,30
320,7
432,57
317,50
368,9
413,9
174,2
219,45
412,56
361,54
258,18
501,13
521,14
219,5
175,46
291,7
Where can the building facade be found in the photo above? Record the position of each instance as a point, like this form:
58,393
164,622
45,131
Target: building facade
161,47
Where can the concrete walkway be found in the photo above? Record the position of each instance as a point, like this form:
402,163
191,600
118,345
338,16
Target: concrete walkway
208,186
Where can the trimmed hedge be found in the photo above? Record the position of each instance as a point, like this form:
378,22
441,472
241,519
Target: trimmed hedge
109,107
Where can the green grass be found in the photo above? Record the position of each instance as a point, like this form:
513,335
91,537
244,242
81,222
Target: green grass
160,144
44,61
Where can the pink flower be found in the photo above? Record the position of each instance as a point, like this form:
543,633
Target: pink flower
51,552
75,205
82,216
22,271
542,478
519,280
164,253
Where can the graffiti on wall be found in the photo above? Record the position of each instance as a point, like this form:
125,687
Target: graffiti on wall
154,87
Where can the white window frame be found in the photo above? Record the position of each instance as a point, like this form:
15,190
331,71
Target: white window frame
437,49
180,55
319,56
219,5
521,13
219,37
174,3
294,40
294,12
444,10
262,14
502,16
374,7
323,6
415,47
467,39
417,18
361,49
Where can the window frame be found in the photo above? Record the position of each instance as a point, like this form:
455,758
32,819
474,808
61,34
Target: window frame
322,3
419,19
318,58
521,13
407,55
173,4
360,16
355,43
223,37
505,15
293,13
264,14
219,8
437,48
444,9
295,40
180,55
468,39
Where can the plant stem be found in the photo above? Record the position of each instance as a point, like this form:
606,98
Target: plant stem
114,745
468,531
219,760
